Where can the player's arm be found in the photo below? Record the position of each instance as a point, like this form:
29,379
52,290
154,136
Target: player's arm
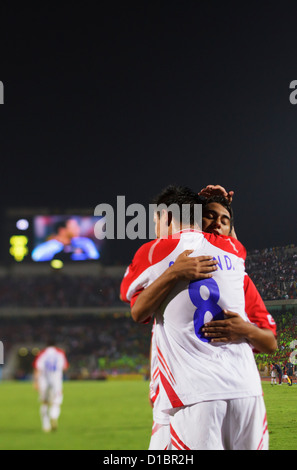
216,190
235,329
185,268
259,331
47,250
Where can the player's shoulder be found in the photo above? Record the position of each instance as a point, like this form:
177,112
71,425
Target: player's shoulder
39,357
155,250
226,243
59,351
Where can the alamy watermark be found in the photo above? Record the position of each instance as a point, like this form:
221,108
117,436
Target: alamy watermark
1,353
293,94
1,93
135,221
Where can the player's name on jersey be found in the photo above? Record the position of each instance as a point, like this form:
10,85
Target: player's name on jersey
224,262
136,221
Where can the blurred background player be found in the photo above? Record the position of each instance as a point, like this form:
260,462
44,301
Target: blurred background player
273,373
289,370
49,367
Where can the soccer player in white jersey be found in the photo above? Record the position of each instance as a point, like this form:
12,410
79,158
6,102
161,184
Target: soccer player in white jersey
205,378
49,366
160,438
217,218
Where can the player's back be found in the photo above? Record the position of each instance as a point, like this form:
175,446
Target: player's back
190,364
203,300
51,362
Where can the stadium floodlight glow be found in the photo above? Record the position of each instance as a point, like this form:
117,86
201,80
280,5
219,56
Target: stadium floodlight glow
22,224
35,351
57,264
23,351
18,247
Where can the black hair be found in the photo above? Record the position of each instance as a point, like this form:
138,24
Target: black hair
61,224
179,197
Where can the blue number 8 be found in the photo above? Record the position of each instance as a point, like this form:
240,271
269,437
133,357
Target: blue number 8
203,306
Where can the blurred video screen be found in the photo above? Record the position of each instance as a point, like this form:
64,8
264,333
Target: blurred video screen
69,237
43,238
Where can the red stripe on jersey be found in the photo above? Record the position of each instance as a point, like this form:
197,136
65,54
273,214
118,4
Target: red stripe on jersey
155,394
175,444
265,429
175,439
174,399
165,365
156,427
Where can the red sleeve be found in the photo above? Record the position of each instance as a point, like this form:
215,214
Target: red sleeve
139,263
66,363
255,307
134,297
36,359
148,254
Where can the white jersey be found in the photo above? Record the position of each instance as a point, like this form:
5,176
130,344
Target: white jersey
191,368
50,363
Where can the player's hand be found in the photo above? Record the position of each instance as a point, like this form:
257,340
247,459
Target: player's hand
189,267
232,329
216,190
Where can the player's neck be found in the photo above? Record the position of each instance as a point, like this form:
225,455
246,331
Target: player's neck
177,227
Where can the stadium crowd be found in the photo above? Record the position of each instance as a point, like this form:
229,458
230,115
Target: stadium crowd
59,290
98,346
274,272
95,345
104,343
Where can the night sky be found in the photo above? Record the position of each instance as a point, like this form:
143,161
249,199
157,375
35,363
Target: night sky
125,98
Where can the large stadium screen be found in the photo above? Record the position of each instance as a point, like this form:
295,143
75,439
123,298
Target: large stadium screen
44,238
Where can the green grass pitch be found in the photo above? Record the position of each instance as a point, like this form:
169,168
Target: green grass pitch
114,415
